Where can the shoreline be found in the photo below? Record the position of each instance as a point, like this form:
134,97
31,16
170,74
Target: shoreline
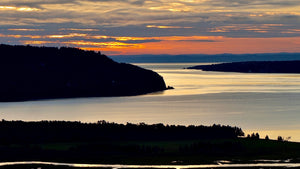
290,67
120,166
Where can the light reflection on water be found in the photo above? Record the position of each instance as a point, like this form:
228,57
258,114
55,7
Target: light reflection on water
119,166
264,103
188,81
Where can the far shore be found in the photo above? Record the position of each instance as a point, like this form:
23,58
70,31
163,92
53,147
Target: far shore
253,67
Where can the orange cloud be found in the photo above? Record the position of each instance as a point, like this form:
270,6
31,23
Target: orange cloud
71,35
23,29
131,38
37,42
166,27
227,45
113,45
78,29
21,36
172,7
24,9
292,31
172,44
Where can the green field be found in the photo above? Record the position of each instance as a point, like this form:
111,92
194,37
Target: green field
157,144
240,150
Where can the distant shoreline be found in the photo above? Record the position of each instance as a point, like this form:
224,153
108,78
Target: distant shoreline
206,58
253,67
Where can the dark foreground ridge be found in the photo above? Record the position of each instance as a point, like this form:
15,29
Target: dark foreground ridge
112,143
254,67
29,73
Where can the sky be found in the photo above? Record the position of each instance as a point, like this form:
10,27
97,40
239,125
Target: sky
135,27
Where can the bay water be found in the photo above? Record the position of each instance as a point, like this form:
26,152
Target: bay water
265,103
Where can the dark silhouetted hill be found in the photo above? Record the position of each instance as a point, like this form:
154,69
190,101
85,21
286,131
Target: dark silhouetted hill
29,73
254,67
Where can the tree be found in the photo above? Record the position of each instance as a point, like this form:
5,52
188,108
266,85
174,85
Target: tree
255,136
267,137
279,138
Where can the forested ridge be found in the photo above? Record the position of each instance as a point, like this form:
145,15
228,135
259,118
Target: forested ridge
29,73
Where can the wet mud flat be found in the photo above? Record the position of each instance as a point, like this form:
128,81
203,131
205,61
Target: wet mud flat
50,165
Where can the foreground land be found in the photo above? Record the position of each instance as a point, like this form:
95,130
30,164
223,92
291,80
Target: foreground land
111,143
253,67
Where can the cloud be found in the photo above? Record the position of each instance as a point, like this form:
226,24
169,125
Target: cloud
252,3
79,29
261,28
167,27
24,29
35,3
104,44
81,38
21,9
144,21
134,2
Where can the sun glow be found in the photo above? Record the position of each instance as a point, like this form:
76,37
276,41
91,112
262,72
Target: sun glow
71,35
115,45
127,45
185,45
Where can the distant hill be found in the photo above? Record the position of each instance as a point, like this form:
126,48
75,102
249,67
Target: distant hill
254,67
29,73
202,58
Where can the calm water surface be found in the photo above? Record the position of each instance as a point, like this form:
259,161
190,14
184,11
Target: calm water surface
264,103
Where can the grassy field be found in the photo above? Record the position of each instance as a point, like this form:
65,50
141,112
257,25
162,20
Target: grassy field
111,143
240,150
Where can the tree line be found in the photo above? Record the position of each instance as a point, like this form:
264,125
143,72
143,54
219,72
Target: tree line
66,131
